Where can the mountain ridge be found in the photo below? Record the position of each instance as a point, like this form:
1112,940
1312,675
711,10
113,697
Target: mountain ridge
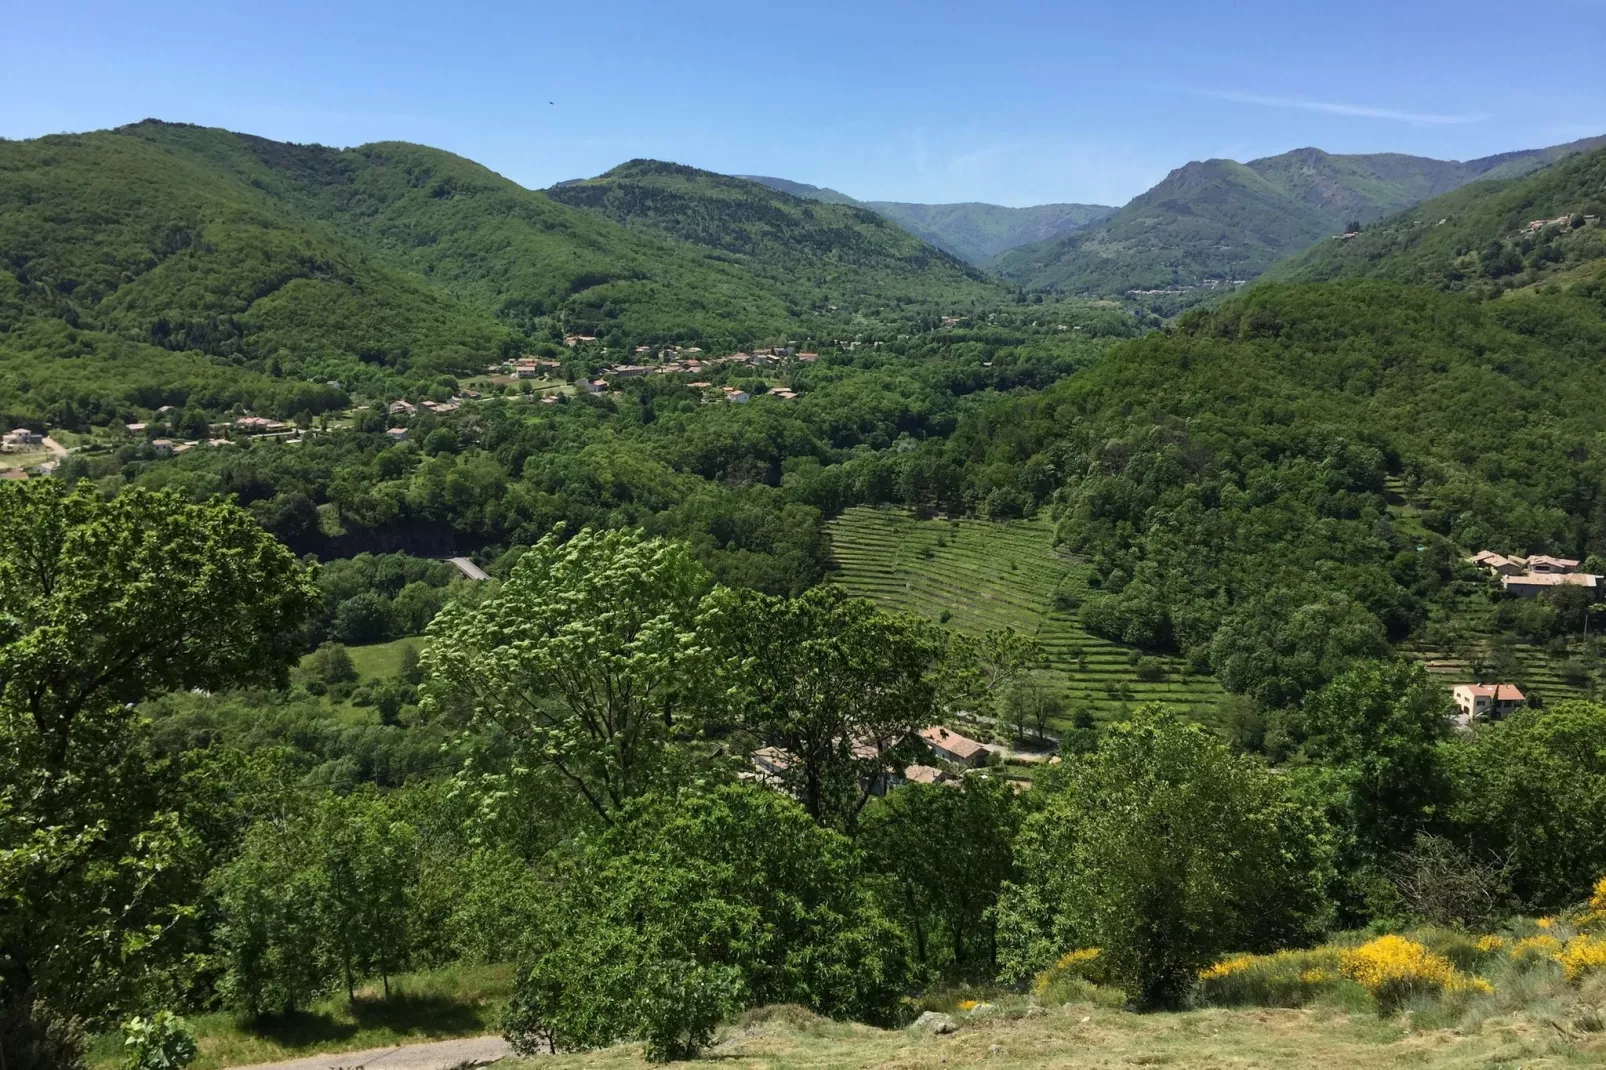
1207,224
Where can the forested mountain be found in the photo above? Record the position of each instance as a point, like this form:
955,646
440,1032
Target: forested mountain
978,232
817,253
973,231
1481,236
802,189
1209,223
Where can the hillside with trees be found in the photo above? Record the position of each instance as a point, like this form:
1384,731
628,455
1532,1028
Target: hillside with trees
973,231
821,255
1211,223
1482,237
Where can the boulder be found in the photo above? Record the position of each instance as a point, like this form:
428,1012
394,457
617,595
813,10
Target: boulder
935,1023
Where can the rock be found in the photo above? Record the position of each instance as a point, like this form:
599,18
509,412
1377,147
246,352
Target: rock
995,1049
1035,1011
936,1023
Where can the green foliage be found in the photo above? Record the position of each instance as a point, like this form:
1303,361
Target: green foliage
1371,741
948,849
33,1034
585,658
161,1042
835,682
696,904
1477,238
103,604
814,254
1533,788
1162,849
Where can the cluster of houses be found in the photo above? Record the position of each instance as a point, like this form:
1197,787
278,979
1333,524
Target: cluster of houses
1536,225
1530,576
770,764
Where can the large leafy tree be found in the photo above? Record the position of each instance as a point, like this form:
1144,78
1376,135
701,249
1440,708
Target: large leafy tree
838,684
947,849
698,903
104,604
586,658
1164,849
1533,789
1368,743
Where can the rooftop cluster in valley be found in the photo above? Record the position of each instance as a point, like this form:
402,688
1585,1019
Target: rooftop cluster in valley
1532,576
954,755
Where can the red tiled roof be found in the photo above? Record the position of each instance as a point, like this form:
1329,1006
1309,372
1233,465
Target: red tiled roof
952,742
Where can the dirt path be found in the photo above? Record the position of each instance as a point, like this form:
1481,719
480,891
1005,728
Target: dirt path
440,1055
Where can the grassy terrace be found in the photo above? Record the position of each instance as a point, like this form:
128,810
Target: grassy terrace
994,575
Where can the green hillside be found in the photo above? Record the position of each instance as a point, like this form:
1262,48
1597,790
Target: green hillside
1208,222
1479,236
818,254
802,189
974,575
490,243
978,232
1215,221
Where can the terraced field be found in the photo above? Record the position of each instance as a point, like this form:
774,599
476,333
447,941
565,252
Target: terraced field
975,574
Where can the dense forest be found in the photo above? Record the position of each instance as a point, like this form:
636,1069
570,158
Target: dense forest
217,796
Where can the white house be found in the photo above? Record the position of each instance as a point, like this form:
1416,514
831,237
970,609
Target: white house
1486,702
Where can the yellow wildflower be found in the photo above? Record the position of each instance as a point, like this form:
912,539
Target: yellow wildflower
1392,967
1582,955
1079,957
1227,967
1487,944
1597,900
1534,948
968,1004
1316,976
1545,923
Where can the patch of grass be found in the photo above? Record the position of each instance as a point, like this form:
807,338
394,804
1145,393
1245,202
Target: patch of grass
973,575
1084,1036
457,1001
375,661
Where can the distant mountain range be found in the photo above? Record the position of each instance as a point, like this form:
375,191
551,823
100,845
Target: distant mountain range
1548,227
973,231
1212,222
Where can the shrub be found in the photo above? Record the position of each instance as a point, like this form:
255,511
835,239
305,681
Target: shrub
1583,955
32,1034
1281,979
1393,969
161,1042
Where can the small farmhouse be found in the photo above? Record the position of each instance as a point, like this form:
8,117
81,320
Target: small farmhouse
927,774
1486,702
1497,564
1532,584
953,747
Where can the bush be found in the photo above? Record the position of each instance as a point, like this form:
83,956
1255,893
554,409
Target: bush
1393,969
697,904
1150,670
1583,955
161,1042
34,1035
1281,979
1163,849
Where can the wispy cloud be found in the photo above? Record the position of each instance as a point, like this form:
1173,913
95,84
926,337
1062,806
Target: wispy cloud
1330,107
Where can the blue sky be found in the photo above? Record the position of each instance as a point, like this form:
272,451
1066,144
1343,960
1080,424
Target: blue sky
1011,102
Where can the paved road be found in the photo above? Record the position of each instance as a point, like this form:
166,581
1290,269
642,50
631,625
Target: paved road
440,1055
468,568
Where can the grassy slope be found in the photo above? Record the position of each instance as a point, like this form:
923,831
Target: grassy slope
816,253
458,1001
989,575
1085,1037
1415,246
